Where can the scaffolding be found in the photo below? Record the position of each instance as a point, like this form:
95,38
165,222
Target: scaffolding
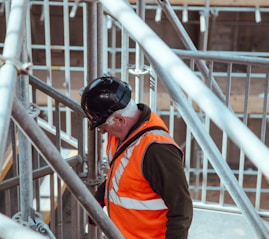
192,90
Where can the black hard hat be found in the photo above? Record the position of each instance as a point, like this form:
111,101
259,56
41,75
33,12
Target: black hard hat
102,97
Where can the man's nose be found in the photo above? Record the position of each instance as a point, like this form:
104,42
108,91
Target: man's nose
102,131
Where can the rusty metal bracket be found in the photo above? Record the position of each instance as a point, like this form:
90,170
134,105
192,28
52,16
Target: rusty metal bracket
22,68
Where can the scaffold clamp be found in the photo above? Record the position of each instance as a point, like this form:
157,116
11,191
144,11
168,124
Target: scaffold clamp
22,68
36,224
138,72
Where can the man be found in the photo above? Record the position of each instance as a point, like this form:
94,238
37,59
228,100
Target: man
145,191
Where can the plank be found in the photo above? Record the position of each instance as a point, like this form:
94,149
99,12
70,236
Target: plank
229,3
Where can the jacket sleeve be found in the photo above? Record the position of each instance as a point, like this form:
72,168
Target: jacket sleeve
163,169
99,196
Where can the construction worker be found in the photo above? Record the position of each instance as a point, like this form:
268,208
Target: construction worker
145,191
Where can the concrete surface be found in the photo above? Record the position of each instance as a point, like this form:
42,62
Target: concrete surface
209,224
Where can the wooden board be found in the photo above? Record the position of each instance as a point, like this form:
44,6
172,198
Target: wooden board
229,3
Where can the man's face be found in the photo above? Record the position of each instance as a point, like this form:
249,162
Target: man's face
112,126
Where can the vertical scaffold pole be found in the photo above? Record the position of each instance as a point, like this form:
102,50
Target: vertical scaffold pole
8,72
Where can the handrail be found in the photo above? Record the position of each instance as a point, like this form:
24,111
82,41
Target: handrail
61,98
50,153
37,173
175,75
55,94
222,57
187,42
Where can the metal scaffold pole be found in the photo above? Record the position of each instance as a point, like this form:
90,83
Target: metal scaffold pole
13,230
94,68
53,157
11,65
25,153
139,60
177,77
187,42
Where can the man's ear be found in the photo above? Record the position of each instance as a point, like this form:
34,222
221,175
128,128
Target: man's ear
120,120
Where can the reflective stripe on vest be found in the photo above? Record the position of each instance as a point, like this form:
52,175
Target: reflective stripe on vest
130,203
153,204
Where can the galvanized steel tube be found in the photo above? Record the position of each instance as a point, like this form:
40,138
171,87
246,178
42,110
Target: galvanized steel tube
176,76
8,72
79,190
187,42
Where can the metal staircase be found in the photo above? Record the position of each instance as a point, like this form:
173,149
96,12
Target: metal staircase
215,104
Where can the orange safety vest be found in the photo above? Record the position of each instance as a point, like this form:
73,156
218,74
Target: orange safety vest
132,205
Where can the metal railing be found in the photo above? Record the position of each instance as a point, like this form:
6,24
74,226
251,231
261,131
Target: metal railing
198,106
45,151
